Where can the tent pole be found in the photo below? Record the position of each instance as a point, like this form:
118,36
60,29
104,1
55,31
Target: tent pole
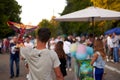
93,25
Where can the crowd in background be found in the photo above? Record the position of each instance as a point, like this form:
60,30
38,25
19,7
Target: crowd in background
111,44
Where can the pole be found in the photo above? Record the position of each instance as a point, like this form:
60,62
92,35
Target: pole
93,25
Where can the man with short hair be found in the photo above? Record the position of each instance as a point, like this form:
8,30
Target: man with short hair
14,56
43,63
27,42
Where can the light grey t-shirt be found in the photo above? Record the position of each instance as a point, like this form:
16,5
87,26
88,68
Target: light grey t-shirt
41,63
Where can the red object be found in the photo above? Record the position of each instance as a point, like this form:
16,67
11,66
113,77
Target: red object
21,29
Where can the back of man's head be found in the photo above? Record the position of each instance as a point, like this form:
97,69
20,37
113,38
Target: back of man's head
43,34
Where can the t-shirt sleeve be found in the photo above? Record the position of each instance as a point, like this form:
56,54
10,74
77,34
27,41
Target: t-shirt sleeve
98,53
23,52
56,61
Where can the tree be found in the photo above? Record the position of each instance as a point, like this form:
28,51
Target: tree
52,25
107,4
9,11
75,27
85,27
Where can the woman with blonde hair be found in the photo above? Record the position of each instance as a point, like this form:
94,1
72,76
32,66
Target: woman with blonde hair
62,57
98,60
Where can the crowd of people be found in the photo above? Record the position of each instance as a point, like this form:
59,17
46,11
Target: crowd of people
113,48
46,56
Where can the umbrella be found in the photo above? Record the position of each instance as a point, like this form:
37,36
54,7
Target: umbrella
113,30
91,14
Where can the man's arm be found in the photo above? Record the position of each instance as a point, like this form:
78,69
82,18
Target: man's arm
22,56
58,73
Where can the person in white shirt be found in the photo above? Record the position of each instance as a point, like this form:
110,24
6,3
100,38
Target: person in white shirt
110,48
52,43
66,48
43,63
27,43
58,39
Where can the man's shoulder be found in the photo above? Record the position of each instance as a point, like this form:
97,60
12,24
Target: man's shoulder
49,51
52,53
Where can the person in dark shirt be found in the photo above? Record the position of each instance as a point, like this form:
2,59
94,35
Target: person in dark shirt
14,56
62,57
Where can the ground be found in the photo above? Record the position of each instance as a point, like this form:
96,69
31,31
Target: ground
112,70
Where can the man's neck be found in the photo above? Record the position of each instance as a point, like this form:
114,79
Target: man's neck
41,45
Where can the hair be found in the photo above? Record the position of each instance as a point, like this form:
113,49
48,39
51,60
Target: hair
66,39
59,49
27,37
98,46
43,34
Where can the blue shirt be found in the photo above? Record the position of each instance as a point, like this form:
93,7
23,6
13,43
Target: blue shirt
99,63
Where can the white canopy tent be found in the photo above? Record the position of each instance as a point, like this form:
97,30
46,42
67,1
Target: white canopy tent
89,14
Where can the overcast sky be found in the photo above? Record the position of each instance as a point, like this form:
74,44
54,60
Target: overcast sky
33,11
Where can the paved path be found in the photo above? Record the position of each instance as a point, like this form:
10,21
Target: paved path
112,70
4,70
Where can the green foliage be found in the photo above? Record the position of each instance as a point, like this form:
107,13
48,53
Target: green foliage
9,11
107,4
74,5
52,25
75,27
85,27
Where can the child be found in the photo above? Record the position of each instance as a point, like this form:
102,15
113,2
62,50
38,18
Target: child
98,60
62,57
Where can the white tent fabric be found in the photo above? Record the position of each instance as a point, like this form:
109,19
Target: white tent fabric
90,14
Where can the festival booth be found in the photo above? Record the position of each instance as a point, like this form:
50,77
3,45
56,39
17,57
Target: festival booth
82,55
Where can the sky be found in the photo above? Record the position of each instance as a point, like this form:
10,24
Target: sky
33,11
